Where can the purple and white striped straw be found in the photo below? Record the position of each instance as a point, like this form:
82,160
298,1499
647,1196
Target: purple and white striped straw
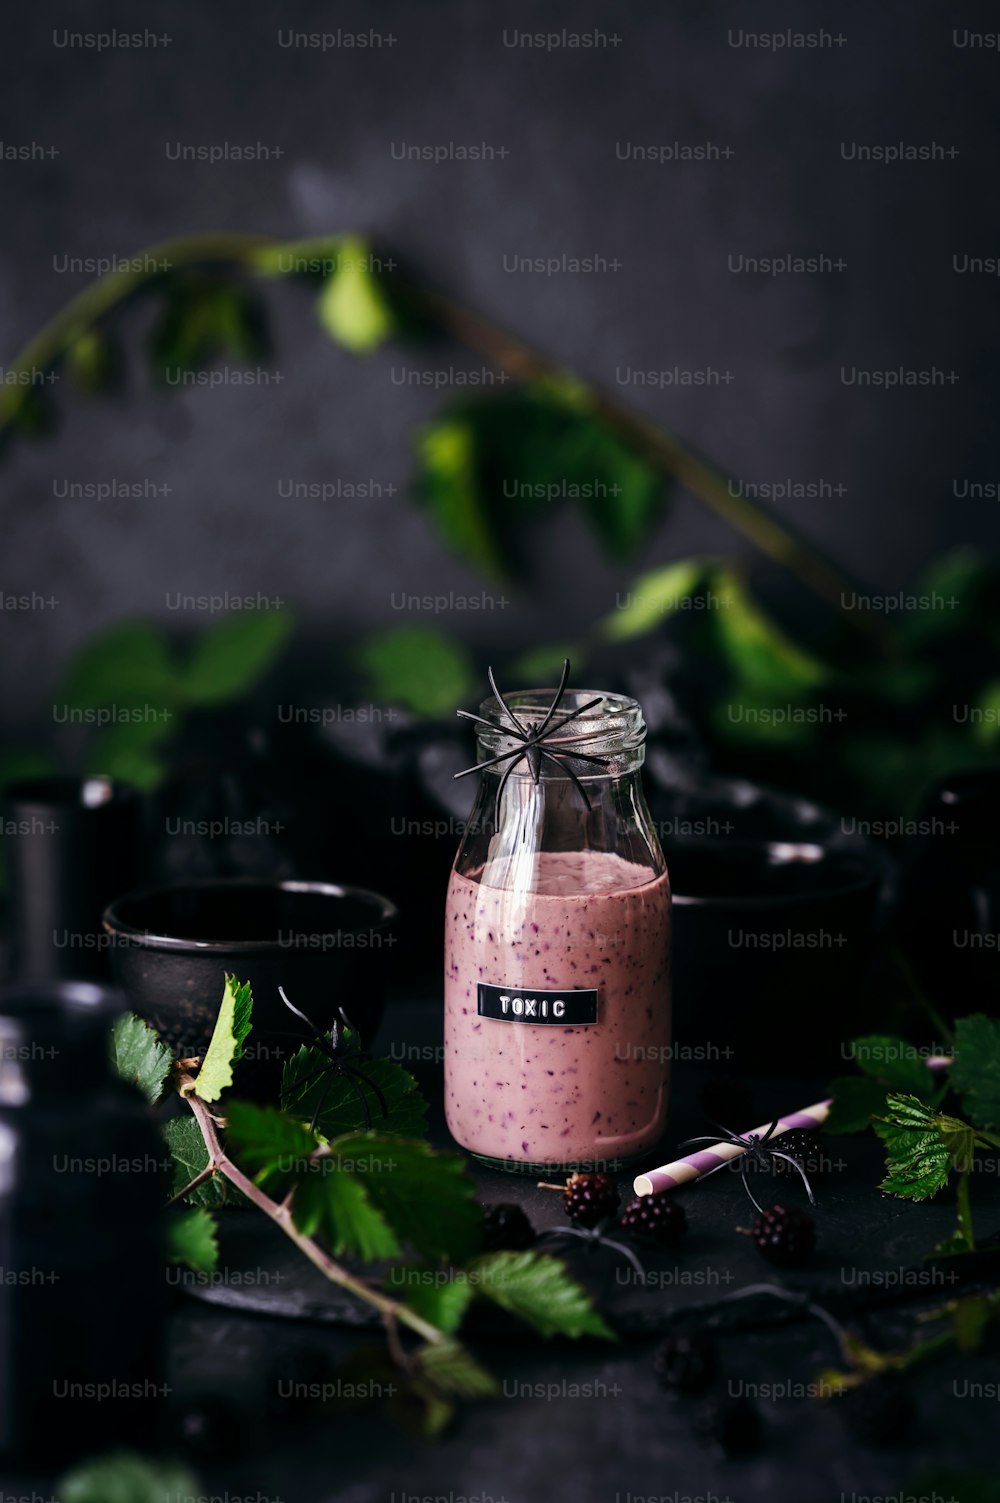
694,1165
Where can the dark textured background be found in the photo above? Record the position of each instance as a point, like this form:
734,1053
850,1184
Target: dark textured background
449,77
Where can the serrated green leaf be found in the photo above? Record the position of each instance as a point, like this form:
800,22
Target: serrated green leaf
538,1289
190,1157
342,1110
331,1203
352,305
449,1368
123,1477
204,317
231,656
975,1072
653,598
128,664
427,1197
443,1303
922,1147
418,667
191,1239
856,1100
268,1142
226,1045
138,1056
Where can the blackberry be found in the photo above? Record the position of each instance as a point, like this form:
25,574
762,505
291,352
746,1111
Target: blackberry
879,1412
658,1217
686,1362
590,1198
807,1148
732,1424
506,1229
784,1235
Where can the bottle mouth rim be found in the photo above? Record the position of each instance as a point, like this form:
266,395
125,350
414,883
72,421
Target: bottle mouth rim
611,726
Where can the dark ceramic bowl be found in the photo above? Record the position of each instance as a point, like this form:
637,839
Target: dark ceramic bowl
771,940
327,945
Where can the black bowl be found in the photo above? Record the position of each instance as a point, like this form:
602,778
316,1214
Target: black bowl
327,945
771,941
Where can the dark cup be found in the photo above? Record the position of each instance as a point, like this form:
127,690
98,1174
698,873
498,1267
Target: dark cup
770,943
72,843
328,946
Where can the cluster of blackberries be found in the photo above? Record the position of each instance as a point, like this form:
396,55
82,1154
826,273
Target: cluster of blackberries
589,1200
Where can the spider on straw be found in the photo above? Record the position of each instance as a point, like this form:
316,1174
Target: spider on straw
757,1149
332,1045
536,743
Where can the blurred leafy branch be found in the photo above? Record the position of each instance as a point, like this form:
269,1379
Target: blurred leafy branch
869,719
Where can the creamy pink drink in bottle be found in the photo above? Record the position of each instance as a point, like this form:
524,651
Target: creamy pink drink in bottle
557,942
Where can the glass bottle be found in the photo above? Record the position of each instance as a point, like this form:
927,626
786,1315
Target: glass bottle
557,945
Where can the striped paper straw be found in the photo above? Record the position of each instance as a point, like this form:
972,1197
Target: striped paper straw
694,1165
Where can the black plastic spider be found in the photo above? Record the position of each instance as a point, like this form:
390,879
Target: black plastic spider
332,1045
594,1237
535,744
758,1148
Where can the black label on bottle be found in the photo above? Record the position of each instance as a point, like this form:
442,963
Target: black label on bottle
512,1004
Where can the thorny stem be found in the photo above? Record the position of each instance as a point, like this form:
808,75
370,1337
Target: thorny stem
661,448
392,1311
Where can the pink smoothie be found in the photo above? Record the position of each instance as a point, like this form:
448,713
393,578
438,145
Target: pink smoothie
552,1094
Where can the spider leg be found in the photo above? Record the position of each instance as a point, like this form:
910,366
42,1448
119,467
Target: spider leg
321,1100
359,1092
301,1015
492,761
505,730
799,1170
304,1080
515,719
372,1086
557,758
541,729
746,1185
708,1138
568,715
770,1130
503,784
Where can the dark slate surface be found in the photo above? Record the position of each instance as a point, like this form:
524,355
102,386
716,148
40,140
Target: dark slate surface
589,1421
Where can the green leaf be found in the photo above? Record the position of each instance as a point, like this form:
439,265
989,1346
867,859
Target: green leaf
972,1319
205,317
987,729
268,1142
352,305
759,654
448,1368
333,1204
419,668
138,1056
426,1197
538,1289
766,718
190,1156
126,665
191,1239
447,483
123,1477
129,751
441,1301
922,1147
975,1073
342,1110
952,1485
226,1046
653,598
232,656
543,665
953,589
856,1100
421,1410
90,361
962,1239
28,410
897,1063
